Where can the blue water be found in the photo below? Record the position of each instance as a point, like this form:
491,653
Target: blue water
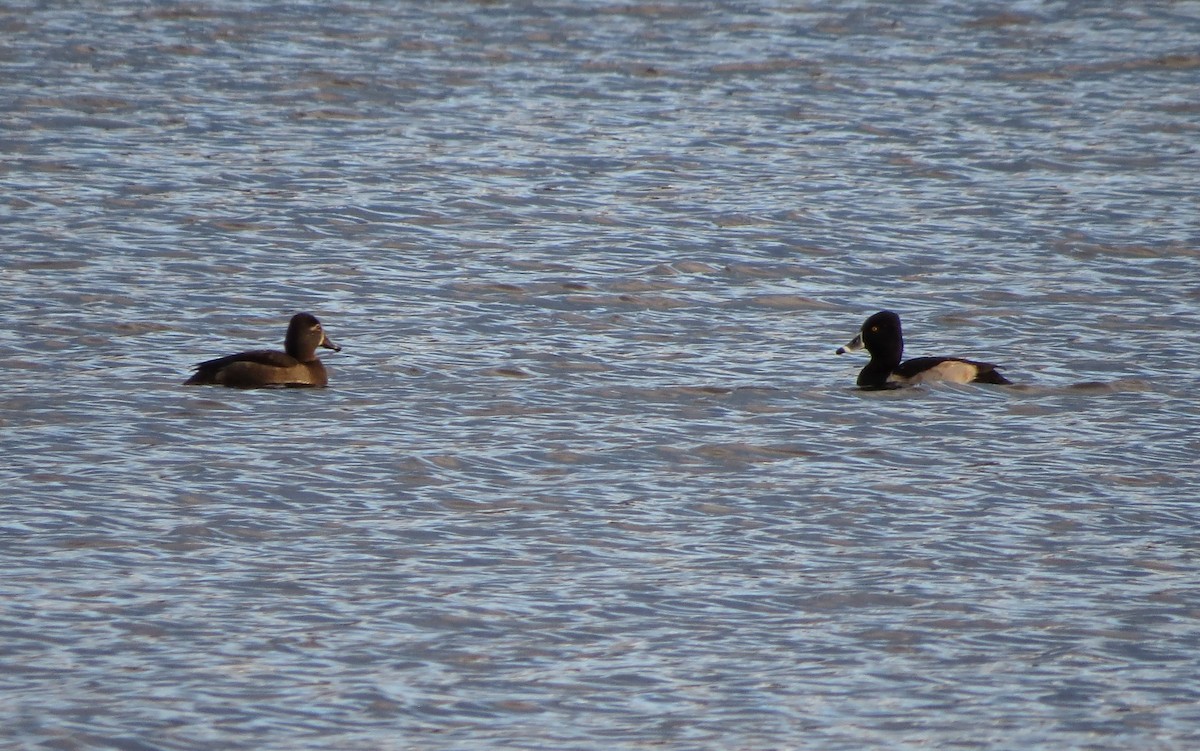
588,474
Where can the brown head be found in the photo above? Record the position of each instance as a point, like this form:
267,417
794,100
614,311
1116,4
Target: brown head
304,335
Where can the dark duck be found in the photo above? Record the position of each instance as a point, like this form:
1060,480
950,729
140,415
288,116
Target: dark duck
883,339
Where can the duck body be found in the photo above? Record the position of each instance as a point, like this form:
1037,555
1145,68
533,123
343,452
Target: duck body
883,338
296,366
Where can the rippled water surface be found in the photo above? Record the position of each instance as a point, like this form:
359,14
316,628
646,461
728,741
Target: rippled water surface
588,474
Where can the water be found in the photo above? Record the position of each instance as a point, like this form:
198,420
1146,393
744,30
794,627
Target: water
588,474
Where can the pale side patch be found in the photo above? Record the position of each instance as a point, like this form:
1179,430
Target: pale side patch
951,371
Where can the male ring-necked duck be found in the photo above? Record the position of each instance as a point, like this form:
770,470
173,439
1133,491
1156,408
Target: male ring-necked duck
297,365
882,337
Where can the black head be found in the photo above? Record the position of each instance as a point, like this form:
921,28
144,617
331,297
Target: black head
881,334
304,335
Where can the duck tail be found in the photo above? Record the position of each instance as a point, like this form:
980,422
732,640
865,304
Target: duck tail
989,374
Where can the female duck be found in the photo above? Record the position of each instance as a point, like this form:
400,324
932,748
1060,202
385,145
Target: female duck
297,365
882,337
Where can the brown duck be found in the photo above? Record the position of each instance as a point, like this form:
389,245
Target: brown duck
297,365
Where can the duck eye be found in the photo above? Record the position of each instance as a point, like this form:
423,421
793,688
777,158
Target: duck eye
874,329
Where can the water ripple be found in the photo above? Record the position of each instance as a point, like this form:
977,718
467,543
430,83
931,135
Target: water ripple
588,472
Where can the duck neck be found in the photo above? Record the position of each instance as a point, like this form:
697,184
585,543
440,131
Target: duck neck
875,374
299,351
881,366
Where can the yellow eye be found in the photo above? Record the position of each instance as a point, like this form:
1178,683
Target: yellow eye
874,329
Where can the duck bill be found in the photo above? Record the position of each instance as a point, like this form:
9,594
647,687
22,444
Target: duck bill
327,343
853,345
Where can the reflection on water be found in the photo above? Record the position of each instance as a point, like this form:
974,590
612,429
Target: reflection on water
588,472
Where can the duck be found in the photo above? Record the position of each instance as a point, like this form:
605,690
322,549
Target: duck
296,366
882,337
